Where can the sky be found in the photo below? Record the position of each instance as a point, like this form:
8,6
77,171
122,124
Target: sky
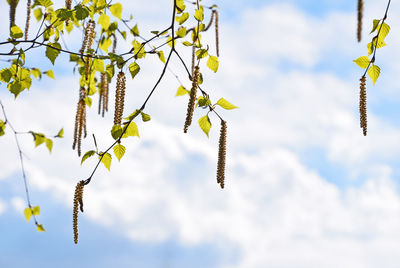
304,187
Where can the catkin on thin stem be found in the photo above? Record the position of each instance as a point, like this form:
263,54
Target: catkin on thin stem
222,155
363,105
78,202
103,94
217,32
28,18
119,98
360,12
192,98
68,4
80,121
13,8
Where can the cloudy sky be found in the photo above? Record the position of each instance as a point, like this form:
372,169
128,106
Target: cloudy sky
304,188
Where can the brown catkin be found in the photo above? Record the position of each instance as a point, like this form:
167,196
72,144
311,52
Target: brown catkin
192,98
360,12
78,201
119,98
363,105
222,155
114,45
217,33
88,37
68,4
103,94
193,59
13,8
28,18
80,121
211,21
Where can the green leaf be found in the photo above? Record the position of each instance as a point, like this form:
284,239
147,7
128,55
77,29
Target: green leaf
134,68
180,6
161,56
181,32
88,101
28,214
226,104
181,91
16,32
60,133
213,63
135,30
105,44
116,131
106,160
104,21
145,117
362,62
203,101
374,72
5,75
49,144
45,3
81,12
201,53
205,124
50,74
36,210
52,53
98,65
87,155
40,228
38,14
375,24
119,151
2,127
384,31
131,130
38,138
199,14
116,10
181,19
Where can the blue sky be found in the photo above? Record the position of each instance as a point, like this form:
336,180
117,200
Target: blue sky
304,187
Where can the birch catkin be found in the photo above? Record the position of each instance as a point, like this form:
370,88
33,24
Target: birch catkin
360,12
192,98
80,121
217,32
68,4
78,201
28,18
13,8
103,94
363,105
119,98
221,155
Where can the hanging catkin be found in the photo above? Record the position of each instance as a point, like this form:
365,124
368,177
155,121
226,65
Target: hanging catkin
222,155
68,4
193,59
211,21
114,45
103,94
363,105
217,32
13,7
78,201
192,98
80,121
360,12
119,98
88,37
28,18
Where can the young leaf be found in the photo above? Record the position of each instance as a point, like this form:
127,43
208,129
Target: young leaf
60,133
182,18
36,210
38,138
199,14
213,63
205,124
145,117
119,151
362,62
116,131
40,228
28,214
161,56
226,104
116,10
104,21
135,30
49,144
52,53
16,32
50,74
181,91
134,68
374,72
375,24
2,127
87,155
132,130
106,160
384,31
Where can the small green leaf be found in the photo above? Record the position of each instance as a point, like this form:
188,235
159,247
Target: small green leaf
362,62
81,12
38,138
49,144
104,21
36,210
145,117
205,124
105,44
38,14
51,52
203,101
106,160
16,32
88,101
187,43
60,133
2,127
161,56
50,74
181,19
40,228
135,30
119,151
213,63
98,65
384,31
116,10
87,155
201,53
28,214
226,104
374,72
131,130
134,69
116,131
199,14
181,91
181,32
5,75
375,24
